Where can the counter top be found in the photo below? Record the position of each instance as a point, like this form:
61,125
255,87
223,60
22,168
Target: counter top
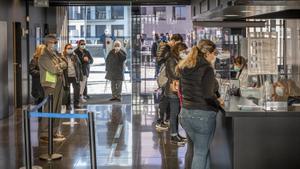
250,109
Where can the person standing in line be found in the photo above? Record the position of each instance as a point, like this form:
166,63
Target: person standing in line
73,76
86,59
200,103
36,88
51,78
171,91
115,70
154,49
163,54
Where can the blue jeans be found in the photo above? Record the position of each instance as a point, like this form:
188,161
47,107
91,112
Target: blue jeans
200,126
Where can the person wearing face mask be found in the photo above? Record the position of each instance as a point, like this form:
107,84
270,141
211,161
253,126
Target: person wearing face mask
51,77
240,66
115,70
171,93
86,60
73,76
283,89
200,101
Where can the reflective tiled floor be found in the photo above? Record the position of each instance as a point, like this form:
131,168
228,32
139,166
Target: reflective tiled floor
125,139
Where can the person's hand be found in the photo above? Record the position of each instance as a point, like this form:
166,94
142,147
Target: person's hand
85,58
221,101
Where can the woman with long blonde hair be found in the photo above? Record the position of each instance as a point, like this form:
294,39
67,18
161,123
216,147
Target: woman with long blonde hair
36,89
200,103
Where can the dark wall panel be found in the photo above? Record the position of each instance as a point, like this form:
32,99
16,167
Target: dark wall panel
14,11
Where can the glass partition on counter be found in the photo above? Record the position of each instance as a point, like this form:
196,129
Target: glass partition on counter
270,75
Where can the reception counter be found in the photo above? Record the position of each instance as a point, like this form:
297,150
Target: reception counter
258,139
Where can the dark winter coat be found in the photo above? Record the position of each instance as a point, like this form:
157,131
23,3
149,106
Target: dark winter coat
199,86
85,65
171,64
115,65
36,88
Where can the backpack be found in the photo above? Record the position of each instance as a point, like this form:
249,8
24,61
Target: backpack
162,78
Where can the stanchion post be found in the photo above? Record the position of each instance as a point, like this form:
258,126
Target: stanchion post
26,127
50,127
50,155
27,142
92,140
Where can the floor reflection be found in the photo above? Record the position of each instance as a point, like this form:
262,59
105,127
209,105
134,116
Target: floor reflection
125,139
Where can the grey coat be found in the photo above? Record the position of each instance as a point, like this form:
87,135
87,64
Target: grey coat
115,65
53,64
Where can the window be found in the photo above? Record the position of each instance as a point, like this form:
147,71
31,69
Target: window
143,11
179,12
117,12
117,30
100,30
100,12
88,13
160,13
88,30
81,31
72,27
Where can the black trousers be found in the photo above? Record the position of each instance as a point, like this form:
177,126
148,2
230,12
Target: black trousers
164,108
76,90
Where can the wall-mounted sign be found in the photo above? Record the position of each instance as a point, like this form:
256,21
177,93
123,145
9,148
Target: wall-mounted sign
41,3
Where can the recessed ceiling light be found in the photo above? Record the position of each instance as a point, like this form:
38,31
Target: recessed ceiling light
231,15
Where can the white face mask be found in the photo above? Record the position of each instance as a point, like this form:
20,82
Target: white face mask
82,46
117,48
182,55
53,47
69,51
279,91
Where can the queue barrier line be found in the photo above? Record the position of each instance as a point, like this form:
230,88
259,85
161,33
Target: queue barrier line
27,114
59,116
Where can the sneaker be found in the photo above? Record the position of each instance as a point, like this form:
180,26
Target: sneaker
87,97
182,138
161,127
59,138
177,141
82,100
112,99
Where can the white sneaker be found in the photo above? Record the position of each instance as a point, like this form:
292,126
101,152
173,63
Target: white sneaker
82,100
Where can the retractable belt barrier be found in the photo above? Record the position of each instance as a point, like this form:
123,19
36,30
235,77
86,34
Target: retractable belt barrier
27,114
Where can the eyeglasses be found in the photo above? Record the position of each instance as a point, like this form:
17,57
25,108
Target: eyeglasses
69,48
82,44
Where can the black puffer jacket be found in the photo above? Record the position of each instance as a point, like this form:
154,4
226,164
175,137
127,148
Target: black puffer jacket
171,64
36,89
85,65
115,65
199,86
163,54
